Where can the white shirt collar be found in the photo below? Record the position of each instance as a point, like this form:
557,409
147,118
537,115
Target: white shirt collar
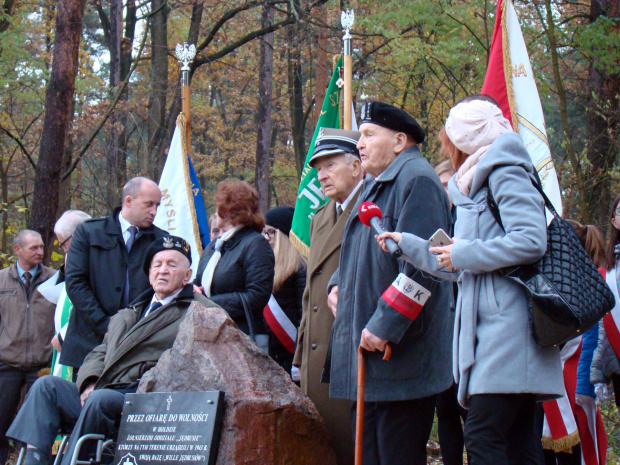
21,271
125,225
346,202
164,301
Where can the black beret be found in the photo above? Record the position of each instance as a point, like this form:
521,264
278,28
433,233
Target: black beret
280,218
391,117
167,243
334,141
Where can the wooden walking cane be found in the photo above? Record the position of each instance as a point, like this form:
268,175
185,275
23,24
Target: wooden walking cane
359,415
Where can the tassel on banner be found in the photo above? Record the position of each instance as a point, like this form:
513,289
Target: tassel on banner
564,444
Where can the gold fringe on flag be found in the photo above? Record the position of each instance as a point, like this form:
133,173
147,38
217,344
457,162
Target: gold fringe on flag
564,444
299,245
508,70
182,124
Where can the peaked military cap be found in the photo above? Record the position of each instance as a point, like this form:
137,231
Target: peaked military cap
392,118
167,243
334,141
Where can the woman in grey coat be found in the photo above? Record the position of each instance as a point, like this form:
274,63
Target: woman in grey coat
500,370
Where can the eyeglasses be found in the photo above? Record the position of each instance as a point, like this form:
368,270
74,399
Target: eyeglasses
62,244
269,233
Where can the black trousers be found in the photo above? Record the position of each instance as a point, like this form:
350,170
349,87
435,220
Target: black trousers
396,433
500,429
53,404
12,380
449,427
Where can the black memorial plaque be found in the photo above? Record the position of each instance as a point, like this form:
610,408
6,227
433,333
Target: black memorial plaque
165,428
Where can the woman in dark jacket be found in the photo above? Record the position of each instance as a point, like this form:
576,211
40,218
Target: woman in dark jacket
239,265
288,288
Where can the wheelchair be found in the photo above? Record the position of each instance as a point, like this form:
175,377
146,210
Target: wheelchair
103,452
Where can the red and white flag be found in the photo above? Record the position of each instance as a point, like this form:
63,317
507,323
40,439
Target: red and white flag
611,321
510,81
560,428
280,324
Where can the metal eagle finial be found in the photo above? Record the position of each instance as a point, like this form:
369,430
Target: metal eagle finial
185,54
346,21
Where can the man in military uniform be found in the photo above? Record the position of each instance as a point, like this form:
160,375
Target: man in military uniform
375,305
337,162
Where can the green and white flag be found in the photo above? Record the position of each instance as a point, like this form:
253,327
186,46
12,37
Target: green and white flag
309,196
61,321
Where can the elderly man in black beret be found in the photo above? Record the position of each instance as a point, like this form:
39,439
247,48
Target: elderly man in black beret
136,338
380,300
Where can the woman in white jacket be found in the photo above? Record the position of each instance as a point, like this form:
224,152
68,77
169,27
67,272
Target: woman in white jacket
500,370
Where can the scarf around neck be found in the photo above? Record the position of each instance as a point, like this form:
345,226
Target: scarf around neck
207,275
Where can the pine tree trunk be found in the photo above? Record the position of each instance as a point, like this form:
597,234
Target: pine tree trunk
56,123
159,87
602,125
264,123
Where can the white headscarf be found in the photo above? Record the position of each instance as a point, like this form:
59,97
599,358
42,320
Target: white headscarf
472,127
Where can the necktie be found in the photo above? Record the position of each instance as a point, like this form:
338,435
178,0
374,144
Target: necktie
154,306
27,277
134,232
338,212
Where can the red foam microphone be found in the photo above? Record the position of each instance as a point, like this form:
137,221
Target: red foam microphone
370,214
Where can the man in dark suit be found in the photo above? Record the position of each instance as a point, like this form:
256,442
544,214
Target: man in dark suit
103,271
136,339
336,159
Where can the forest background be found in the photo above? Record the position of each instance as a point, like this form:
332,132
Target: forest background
89,91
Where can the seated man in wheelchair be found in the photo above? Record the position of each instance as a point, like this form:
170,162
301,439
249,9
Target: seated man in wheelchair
136,338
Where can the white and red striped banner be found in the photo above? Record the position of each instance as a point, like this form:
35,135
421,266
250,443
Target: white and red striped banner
611,321
406,296
280,324
560,428
591,431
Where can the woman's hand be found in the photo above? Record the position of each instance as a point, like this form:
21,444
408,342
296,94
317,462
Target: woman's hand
444,256
395,236
199,290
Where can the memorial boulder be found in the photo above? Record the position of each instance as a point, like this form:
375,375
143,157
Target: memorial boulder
267,419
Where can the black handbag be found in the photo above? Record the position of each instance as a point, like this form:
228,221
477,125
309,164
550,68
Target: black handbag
566,293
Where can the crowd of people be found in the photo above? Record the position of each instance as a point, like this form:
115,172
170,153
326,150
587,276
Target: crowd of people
457,328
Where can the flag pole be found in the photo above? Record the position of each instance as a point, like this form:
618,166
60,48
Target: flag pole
185,54
346,21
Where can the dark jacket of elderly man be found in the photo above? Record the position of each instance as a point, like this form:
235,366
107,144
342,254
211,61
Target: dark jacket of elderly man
136,338
339,170
377,302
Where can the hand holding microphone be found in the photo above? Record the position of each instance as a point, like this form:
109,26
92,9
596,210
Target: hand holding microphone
370,214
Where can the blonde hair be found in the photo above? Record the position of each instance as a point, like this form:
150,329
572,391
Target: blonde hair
288,260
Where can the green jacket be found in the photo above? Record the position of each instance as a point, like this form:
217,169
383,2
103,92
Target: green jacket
132,346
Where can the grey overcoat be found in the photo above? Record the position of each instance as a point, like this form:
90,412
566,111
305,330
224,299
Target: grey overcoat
412,199
494,350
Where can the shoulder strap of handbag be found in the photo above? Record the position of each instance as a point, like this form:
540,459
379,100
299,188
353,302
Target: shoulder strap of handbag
495,209
248,314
